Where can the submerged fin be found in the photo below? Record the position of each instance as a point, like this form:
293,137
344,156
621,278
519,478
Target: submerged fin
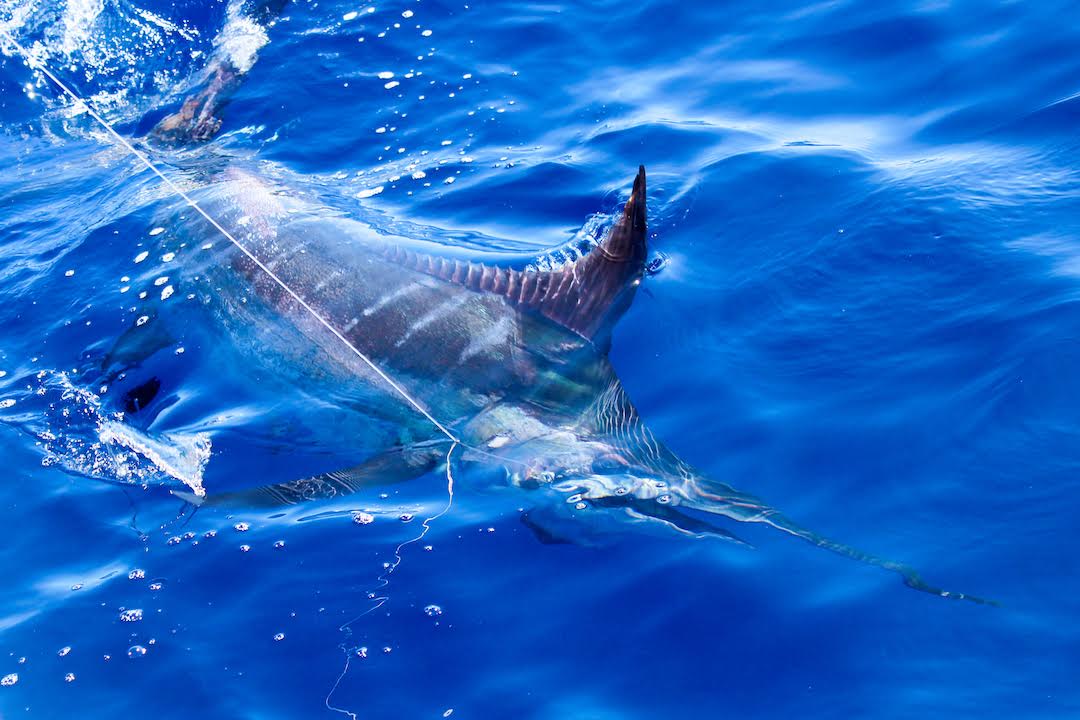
397,465
587,296
747,509
199,117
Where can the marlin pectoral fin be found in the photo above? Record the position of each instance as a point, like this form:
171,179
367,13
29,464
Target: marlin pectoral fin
397,465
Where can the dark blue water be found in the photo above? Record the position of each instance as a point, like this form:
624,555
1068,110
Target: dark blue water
869,316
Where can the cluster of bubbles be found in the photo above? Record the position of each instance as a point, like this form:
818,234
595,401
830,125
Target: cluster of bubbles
398,165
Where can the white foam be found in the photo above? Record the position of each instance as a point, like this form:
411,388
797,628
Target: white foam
241,39
180,456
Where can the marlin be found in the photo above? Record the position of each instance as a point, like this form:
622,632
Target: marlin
508,363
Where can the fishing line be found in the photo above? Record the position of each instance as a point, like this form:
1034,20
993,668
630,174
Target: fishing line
39,65
383,581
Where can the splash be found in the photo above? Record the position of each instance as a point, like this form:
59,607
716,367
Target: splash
78,435
241,39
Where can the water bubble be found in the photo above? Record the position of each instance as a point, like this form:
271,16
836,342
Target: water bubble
279,544
9,679
64,651
245,548
433,610
137,574
241,527
188,536
174,540
363,518
279,637
210,533
132,615
156,585
136,651
70,677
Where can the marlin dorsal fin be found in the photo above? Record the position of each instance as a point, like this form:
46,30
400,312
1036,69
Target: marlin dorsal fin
587,296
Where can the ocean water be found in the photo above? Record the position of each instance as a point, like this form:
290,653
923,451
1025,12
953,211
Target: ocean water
865,309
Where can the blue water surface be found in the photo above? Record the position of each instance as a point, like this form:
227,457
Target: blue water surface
867,222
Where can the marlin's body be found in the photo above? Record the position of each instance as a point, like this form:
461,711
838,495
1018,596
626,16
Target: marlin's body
509,363
513,361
